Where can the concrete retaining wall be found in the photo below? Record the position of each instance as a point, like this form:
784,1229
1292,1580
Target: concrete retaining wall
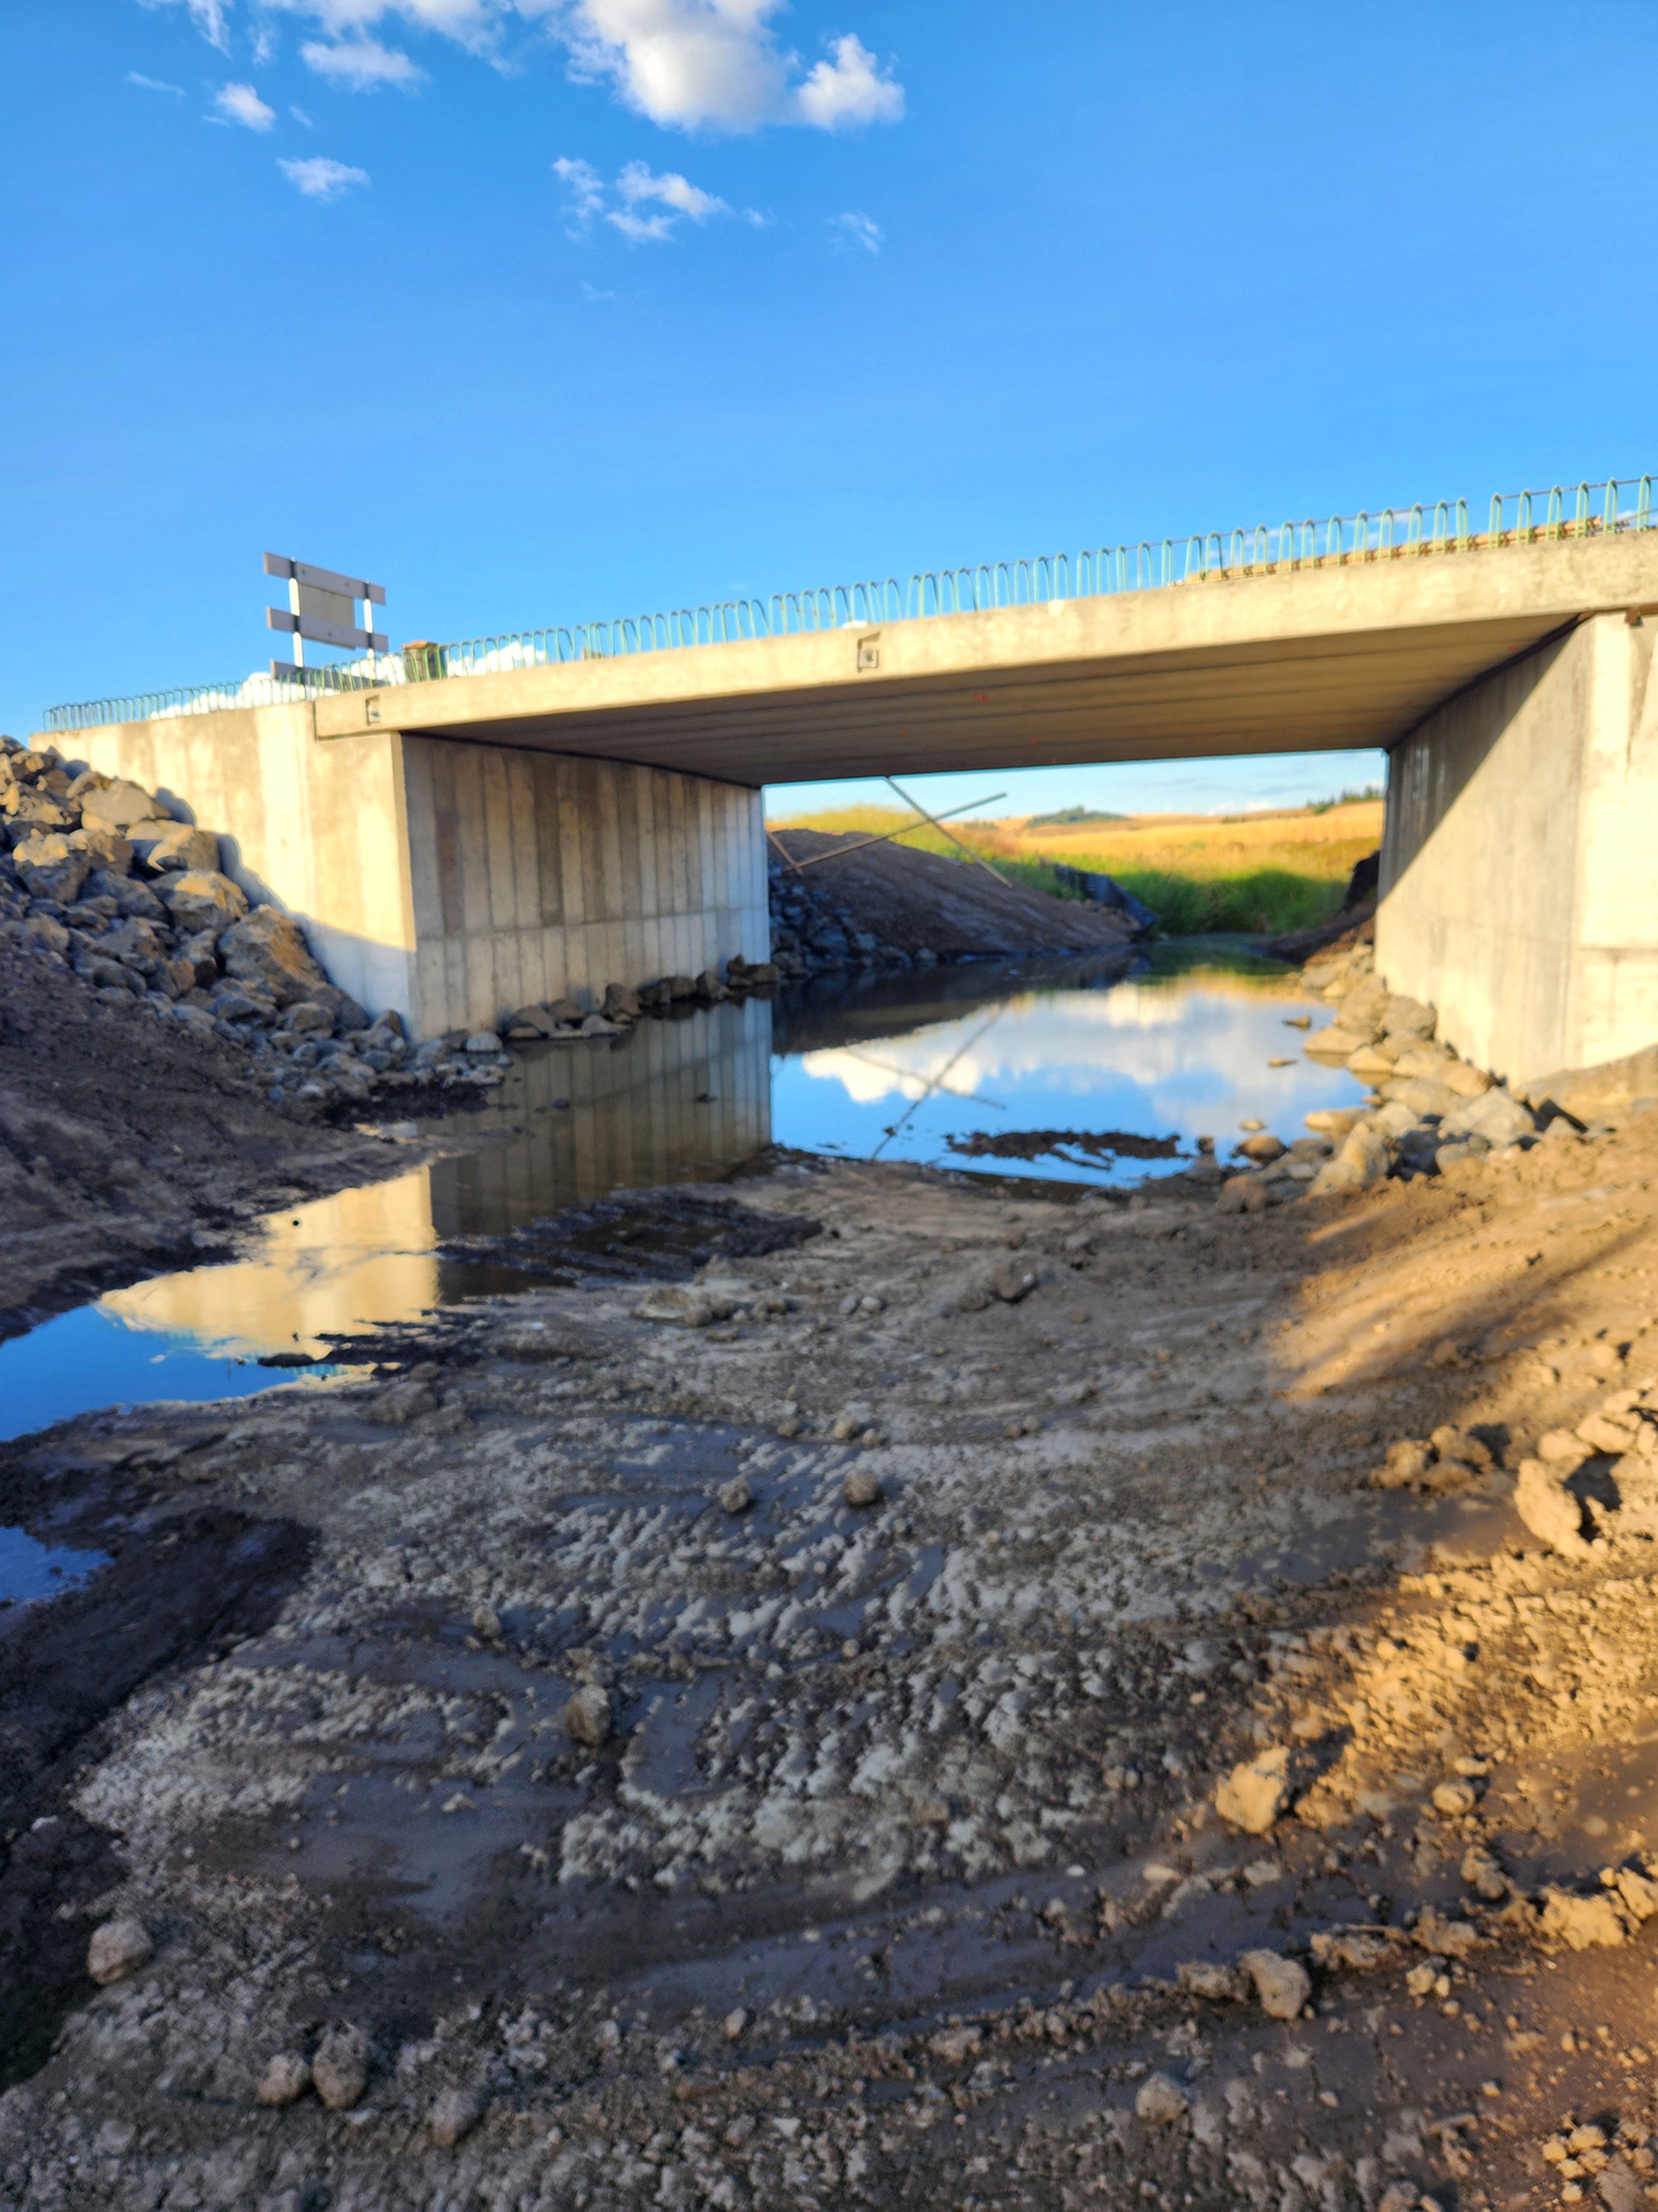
1518,890
454,881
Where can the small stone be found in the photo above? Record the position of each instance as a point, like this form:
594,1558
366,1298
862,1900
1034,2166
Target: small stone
678,1308
1620,2189
1549,1508
1282,1985
339,2071
1252,1795
487,1621
402,1403
1263,1149
1483,1874
118,1949
586,1717
1454,1799
1160,2101
1582,1922
735,2022
49,868
170,849
859,1487
482,1041
1012,1283
1241,1194
735,1496
1406,1462
454,2114
1445,1938
286,2077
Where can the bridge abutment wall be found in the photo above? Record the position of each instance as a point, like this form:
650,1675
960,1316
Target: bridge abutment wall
453,881
1519,892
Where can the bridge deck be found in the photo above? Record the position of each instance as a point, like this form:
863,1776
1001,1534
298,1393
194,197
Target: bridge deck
1318,660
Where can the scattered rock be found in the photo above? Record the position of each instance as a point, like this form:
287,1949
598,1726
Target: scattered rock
118,1949
676,1307
483,1041
50,867
454,2114
402,1402
1282,1985
1582,1923
1549,1508
1445,1938
1253,1795
859,1487
339,2071
179,845
1011,1283
1454,1799
1160,2101
586,1717
735,1496
1264,1148
285,2079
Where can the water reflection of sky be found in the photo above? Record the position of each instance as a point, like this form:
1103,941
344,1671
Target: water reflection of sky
1186,1051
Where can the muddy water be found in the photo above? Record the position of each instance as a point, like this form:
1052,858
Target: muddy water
891,1069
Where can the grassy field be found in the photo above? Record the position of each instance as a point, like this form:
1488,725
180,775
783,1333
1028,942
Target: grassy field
1262,873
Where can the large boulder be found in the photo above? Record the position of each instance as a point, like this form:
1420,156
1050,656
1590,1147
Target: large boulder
1496,1115
119,806
202,899
105,848
178,845
130,896
1364,1159
50,867
268,948
29,813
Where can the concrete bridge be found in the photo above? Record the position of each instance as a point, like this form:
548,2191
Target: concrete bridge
464,828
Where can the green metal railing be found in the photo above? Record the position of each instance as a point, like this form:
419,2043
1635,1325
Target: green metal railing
1392,534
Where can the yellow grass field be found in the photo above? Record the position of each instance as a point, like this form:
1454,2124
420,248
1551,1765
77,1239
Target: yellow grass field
1259,872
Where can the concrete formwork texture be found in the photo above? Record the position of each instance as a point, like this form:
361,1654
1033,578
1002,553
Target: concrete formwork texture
455,882
1518,889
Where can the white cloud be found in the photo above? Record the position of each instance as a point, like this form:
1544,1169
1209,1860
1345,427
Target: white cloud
858,230
209,17
362,64
670,197
586,187
319,178
685,63
154,84
849,90
240,103
636,183
299,116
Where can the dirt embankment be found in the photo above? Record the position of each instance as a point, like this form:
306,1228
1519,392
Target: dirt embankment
934,1712
889,906
127,1145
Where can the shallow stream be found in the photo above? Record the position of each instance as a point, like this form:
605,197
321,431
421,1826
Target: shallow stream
1198,1038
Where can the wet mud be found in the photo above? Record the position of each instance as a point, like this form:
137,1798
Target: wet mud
935,1573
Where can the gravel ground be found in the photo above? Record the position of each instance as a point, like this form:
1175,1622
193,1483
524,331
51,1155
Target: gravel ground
940,1714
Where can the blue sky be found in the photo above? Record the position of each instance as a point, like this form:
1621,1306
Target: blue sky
548,310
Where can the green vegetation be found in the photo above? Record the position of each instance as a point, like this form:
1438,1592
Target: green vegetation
1259,875
1070,817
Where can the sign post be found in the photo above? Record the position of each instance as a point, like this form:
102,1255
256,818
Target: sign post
322,606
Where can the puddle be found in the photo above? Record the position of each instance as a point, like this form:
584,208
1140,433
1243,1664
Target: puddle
879,1067
29,1569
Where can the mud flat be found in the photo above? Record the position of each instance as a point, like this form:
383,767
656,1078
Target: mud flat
953,1693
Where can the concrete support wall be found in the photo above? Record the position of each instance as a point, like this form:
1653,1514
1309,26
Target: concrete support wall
535,876
1518,890
454,881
